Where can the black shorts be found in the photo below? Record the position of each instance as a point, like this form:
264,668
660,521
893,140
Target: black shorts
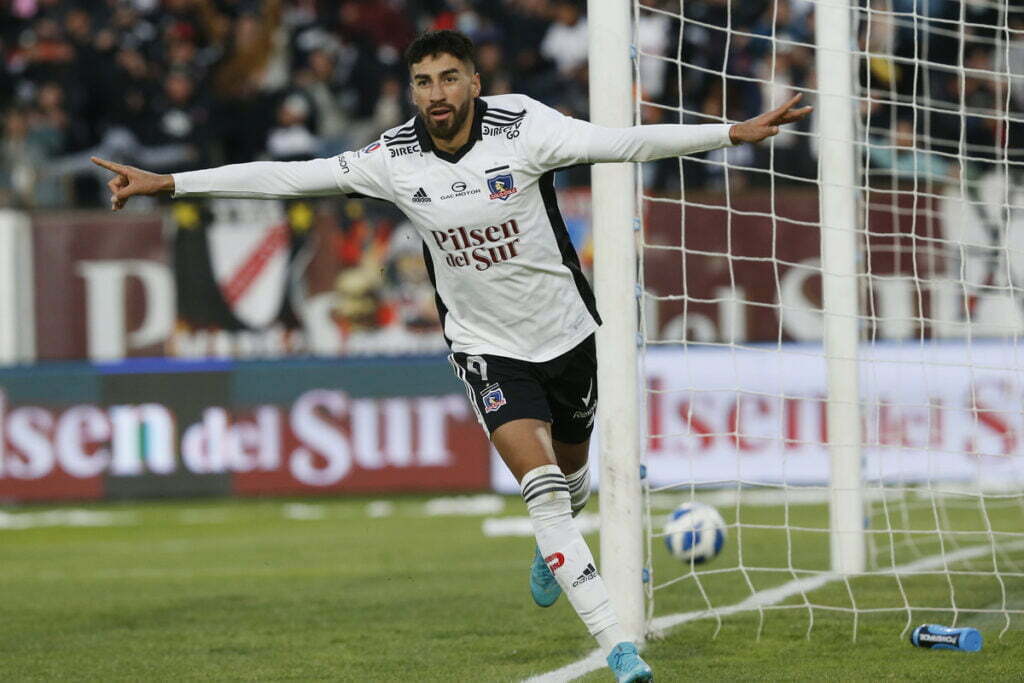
562,391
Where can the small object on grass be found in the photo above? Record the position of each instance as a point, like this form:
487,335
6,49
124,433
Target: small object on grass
946,638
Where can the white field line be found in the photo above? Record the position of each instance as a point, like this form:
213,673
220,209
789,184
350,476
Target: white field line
72,517
594,660
586,522
483,504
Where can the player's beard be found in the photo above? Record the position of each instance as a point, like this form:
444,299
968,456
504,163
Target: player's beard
446,130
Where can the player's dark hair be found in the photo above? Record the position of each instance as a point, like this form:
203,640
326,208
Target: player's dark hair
433,43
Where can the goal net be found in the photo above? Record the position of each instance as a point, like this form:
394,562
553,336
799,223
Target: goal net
831,320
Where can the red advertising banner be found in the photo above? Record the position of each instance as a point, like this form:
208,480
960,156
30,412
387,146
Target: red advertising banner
167,428
329,442
230,278
103,282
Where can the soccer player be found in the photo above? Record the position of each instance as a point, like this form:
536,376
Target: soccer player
475,177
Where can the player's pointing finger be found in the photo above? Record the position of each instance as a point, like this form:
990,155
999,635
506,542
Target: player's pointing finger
109,165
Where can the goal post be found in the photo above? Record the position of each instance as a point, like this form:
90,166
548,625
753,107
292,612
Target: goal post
614,212
837,195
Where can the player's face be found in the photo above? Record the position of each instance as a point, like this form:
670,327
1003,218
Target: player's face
443,87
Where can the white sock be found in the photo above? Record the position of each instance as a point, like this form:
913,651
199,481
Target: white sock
579,488
547,499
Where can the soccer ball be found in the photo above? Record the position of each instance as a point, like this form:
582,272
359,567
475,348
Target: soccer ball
694,532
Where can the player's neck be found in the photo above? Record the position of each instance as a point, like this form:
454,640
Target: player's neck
461,138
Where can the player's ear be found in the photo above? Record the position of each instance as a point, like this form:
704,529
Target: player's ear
475,87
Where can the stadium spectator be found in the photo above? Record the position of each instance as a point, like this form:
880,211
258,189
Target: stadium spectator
179,117
321,83
292,139
247,80
565,42
23,152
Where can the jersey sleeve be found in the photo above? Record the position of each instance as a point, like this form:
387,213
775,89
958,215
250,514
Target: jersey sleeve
364,173
259,180
359,173
553,140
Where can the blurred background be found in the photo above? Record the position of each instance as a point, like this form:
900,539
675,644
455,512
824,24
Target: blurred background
181,84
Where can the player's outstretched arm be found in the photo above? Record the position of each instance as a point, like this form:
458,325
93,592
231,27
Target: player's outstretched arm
129,181
767,124
252,180
582,142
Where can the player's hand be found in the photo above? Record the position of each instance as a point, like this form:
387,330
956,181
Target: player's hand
130,181
767,124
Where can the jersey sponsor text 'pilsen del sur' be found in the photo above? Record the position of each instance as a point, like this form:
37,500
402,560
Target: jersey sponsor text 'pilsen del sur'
508,280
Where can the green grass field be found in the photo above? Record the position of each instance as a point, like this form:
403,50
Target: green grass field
321,590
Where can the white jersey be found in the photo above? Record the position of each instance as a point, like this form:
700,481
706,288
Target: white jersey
507,277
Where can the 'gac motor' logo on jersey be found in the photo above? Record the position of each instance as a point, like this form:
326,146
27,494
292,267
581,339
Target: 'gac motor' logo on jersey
478,247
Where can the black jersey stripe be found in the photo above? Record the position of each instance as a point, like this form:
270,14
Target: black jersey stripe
502,118
496,168
500,122
506,112
407,127
442,309
407,140
570,259
401,132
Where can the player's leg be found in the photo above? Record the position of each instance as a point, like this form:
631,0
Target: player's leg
572,459
512,406
572,397
525,446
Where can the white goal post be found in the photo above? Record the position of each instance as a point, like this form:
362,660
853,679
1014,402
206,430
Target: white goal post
615,277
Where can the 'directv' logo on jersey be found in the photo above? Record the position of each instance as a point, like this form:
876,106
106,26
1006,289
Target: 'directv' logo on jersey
501,186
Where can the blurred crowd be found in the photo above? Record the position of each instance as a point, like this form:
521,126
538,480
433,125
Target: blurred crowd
179,84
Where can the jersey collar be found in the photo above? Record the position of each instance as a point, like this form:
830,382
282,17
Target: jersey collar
475,133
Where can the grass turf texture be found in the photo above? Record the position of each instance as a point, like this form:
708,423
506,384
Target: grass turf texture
244,590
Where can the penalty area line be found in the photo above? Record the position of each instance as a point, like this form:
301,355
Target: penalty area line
594,660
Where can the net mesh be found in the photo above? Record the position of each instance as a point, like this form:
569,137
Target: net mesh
732,315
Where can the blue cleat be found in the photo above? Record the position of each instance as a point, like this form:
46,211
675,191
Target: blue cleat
543,585
627,666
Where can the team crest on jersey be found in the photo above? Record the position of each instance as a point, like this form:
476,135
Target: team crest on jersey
493,398
502,186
